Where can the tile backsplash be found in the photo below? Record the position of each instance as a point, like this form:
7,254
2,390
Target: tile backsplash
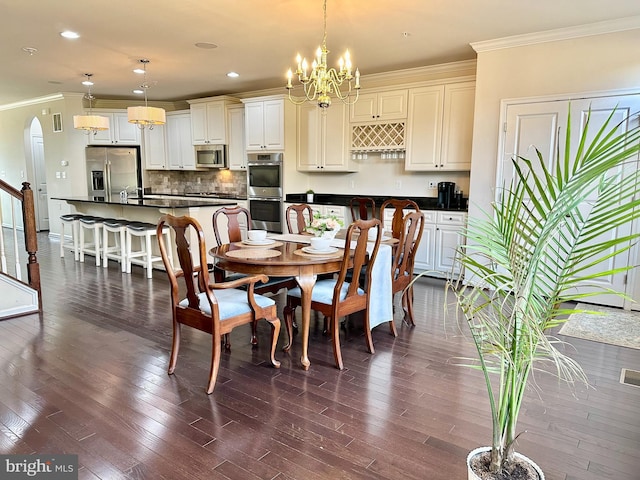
200,181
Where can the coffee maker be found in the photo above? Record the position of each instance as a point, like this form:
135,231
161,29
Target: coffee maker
446,192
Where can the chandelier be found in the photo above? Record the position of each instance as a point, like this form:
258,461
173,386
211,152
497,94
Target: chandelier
146,116
321,82
90,123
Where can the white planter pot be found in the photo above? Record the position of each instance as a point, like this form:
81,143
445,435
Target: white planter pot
473,453
309,197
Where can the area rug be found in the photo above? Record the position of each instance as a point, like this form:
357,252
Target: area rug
609,325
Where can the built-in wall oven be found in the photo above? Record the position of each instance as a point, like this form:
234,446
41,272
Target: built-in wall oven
264,190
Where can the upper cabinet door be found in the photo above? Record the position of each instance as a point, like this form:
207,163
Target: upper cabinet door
216,123
440,127
457,126
128,133
380,107
424,128
264,121
199,124
120,132
274,124
208,123
254,125
236,152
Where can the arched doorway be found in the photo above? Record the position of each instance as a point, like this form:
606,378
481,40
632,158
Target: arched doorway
39,182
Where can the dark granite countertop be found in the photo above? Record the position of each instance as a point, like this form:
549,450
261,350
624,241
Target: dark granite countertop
155,201
425,203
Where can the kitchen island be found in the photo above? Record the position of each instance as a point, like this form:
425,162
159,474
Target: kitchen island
150,208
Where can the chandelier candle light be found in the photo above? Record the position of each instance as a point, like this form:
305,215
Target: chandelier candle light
323,81
146,116
90,123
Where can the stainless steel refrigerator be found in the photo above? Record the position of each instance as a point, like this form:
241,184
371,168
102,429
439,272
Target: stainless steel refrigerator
110,170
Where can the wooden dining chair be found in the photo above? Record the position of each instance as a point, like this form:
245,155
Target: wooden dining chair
303,215
362,208
403,261
399,205
214,308
234,217
336,298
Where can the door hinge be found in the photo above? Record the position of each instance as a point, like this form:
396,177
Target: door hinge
504,127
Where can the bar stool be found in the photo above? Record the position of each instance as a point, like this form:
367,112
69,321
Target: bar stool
88,222
70,220
117,251
144,256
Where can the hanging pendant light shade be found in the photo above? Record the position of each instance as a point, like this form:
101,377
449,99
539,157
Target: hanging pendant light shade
146,116
90,123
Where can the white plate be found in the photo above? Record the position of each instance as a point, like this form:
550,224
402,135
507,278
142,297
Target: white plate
266,241
319,252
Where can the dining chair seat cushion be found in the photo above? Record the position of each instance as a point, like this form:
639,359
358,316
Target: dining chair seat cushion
231,302
323,291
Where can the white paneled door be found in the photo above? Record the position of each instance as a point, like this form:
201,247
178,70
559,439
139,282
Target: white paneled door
542,125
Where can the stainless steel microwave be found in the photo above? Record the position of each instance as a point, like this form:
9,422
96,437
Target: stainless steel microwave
211,156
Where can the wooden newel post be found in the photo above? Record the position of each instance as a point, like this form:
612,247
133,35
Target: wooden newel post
31,239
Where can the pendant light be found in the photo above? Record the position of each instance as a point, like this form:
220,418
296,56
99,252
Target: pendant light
90,123
146,116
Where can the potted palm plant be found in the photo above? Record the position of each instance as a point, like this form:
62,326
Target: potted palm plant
529,256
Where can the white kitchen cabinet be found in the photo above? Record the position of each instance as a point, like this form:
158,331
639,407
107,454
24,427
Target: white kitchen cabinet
154,148
264,124
379,107
209,120
323,139
440,127
340,212
181,155
441,236
120,131
236,154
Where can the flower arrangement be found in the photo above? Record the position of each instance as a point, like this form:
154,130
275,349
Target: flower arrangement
324,225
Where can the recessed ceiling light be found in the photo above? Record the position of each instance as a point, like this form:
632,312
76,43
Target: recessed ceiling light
30,50
233,75
138,92
69,34
206,45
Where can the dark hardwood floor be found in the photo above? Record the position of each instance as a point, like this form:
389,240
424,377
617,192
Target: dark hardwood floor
89,377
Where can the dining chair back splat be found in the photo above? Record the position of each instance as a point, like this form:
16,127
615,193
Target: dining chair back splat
404,259
303,214
235,216
399,205
362,208
212,308
336,298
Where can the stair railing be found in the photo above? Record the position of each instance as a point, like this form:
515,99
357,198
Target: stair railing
26,204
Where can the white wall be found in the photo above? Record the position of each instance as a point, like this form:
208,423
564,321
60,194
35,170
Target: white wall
588,64
15,151
383,177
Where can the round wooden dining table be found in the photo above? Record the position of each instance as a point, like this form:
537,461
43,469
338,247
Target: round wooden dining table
281,259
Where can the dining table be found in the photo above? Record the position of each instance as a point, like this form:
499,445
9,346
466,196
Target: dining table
289,255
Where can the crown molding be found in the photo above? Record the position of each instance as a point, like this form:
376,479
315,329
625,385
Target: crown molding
38,100
599,28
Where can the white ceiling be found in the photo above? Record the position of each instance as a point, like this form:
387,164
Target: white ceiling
258,39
